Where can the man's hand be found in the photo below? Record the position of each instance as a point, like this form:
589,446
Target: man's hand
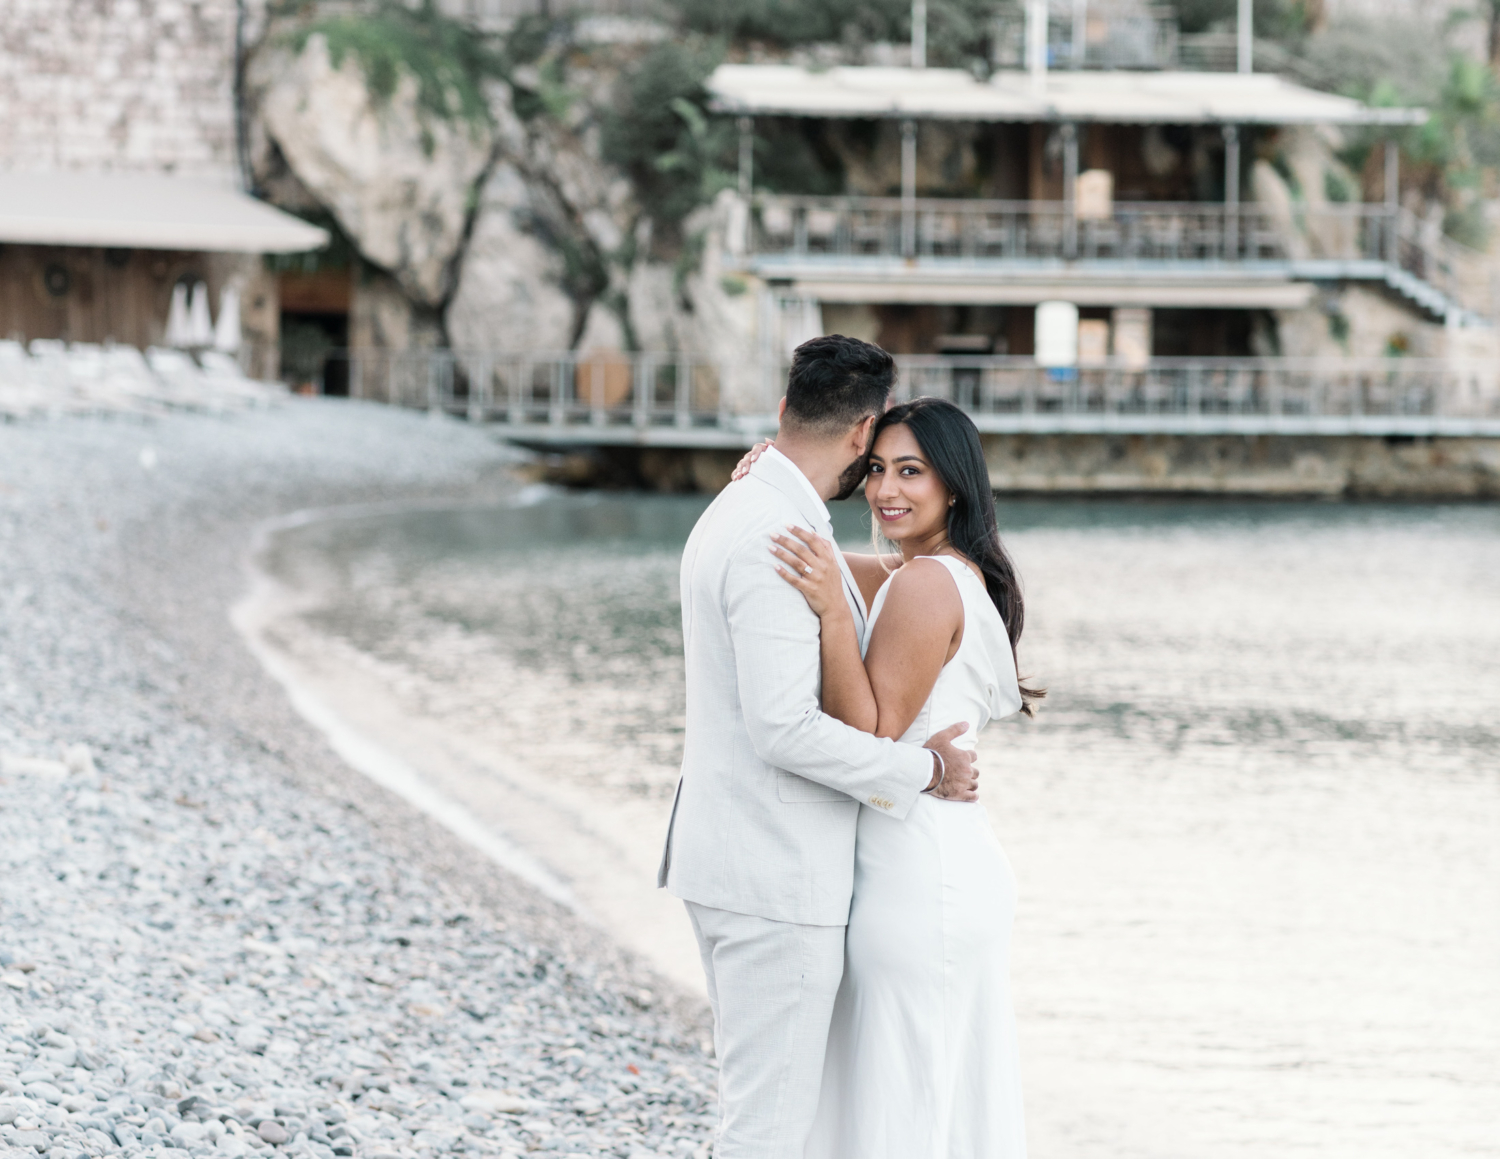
960,781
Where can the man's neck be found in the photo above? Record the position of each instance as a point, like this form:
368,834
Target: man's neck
819,461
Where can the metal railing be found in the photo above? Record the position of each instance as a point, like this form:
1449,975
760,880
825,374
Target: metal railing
1013,230
1292,389
544,388
1133,232
1144,39
682,399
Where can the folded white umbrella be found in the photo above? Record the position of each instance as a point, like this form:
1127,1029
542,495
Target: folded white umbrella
179,325
198,316
227,331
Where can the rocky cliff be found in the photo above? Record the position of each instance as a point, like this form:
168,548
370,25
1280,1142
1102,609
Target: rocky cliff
478,189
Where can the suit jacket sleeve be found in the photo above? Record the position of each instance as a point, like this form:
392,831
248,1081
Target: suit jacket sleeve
777,665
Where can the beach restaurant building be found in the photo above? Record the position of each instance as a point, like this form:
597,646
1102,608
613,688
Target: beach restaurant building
144,259
1127,214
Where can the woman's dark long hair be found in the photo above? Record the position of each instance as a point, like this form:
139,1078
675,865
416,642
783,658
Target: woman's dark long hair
950,442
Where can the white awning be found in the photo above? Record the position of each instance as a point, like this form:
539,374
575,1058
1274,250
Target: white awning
1161,98
1163,293
145,211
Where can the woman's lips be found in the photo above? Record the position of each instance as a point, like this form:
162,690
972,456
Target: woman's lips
891,514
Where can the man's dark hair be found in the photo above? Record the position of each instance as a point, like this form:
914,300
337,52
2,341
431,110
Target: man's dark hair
836,382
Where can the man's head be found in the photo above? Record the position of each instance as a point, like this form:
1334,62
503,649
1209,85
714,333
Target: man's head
836,389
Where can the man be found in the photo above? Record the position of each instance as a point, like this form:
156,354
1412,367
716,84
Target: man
761,841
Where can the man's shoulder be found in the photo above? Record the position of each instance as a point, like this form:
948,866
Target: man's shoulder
736,529
747,506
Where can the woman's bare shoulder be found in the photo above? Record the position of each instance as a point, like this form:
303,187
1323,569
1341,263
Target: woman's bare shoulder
923,578
923,592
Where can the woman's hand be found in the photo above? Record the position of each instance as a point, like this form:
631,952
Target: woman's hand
742,468
812,568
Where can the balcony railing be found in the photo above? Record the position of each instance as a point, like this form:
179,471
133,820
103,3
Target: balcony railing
681,399
605,389
1295,391
1134,232
1146,38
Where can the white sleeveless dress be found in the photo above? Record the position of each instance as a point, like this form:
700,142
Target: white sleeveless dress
922,1059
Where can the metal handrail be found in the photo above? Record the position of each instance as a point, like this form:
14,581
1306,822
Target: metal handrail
662,390
603,388
1303,388
850,227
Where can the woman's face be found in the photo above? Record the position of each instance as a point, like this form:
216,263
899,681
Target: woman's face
905,494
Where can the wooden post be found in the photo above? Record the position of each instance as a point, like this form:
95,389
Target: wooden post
747,155
1231,192
1036,45
1392,198
908,188
919,33
1245,37
1070,190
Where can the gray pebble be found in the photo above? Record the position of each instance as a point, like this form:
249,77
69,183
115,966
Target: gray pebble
230,931
272,1131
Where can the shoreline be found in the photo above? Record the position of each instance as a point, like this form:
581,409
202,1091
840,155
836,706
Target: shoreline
216,937
595,855
267,601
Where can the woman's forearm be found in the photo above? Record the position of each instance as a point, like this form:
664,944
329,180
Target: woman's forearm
847,695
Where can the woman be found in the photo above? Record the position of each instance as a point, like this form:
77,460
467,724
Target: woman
922,1060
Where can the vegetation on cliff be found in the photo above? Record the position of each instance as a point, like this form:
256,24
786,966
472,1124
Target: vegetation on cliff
449,63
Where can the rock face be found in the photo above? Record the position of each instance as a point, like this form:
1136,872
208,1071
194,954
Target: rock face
510,294
546,247
397,178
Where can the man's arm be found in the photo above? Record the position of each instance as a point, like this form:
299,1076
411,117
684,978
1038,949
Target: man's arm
776,654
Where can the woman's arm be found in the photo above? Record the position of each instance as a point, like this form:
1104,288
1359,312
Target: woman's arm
919,629
916,634
812,568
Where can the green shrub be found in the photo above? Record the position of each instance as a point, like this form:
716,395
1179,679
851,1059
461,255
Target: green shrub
449,63
660,132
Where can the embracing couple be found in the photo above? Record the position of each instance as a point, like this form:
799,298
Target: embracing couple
851,903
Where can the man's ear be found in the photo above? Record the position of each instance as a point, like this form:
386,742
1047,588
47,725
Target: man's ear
781,409
860,436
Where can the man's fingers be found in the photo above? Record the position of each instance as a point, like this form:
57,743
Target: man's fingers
947,734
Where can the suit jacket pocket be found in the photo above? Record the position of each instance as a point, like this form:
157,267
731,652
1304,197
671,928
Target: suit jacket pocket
795,790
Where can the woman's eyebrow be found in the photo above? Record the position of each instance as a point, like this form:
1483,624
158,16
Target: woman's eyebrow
907,459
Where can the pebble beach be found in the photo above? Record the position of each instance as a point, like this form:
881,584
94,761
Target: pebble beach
217,938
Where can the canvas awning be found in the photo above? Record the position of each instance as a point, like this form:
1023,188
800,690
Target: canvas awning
145,211
1163,98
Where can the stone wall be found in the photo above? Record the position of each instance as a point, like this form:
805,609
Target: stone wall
1262,466
1299,465
119,84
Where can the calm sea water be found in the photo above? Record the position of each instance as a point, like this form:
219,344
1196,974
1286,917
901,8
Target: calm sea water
1257,827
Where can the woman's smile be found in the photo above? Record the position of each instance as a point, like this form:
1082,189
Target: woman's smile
891,514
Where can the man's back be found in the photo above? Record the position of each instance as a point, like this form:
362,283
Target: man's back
766,808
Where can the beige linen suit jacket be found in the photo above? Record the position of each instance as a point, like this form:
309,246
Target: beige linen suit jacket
764,818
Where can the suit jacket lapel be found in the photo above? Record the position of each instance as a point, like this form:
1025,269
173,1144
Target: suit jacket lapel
851,590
